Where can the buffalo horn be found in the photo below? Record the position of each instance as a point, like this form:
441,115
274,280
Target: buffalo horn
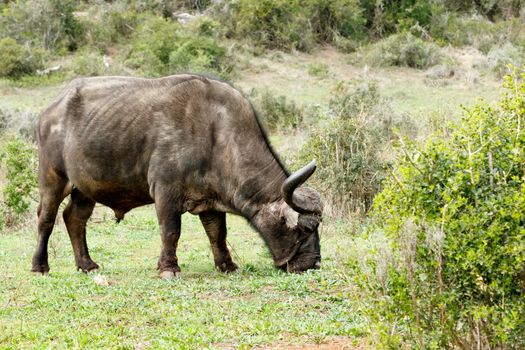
292,182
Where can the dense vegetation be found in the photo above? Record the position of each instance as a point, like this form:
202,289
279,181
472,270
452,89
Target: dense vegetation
452,212
141,37
424,213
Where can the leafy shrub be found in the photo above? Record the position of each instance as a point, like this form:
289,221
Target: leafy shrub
19,161
405,50
121,24
162,47
106,24
330,19
453,214
274,24
48,24
350,147
199,5
20,122
501,56
276,112
387,17
488,8
198,55
92,63
318,70
15,60
476,31
282,24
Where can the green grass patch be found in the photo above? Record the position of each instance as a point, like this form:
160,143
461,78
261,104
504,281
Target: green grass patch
202,309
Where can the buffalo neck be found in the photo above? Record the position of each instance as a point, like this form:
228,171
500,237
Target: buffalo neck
259,186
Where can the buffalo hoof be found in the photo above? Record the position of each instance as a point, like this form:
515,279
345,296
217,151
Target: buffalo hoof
169,275
88,266
40,270
39,273
227,267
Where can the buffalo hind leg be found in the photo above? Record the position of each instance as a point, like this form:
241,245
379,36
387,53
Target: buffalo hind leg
214,223
76,214
170,224
51,195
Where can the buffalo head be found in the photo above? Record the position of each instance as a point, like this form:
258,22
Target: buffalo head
290,225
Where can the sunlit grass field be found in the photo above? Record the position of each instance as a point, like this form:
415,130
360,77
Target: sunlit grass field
258,305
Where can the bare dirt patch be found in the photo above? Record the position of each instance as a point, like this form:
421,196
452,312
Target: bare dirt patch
335,343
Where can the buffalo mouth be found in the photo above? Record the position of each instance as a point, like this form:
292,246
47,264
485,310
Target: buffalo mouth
301,263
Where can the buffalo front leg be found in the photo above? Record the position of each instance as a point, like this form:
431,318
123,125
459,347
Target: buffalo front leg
214,223
76,214
170,224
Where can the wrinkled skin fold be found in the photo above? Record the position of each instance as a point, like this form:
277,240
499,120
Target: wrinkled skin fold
186,143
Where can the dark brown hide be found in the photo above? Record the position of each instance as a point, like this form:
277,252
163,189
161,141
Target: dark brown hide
185,143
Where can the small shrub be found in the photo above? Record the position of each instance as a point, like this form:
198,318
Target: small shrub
453,213
48,24
276,112
199,5
318,70
200,54
89,64
92,63
330,19
161,47
16,61
273,24
287,25
19,161
476,31
405,50
350,147
120,24
501,56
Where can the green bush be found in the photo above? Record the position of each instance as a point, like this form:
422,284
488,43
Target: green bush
387,17
121,24
91,63
329,19
48,24
453,213
274,24
500,57
16,60
488,8
19,161
277,113
161,47
476,31
405,50
286,25
318,70
350,146
20,122
199,54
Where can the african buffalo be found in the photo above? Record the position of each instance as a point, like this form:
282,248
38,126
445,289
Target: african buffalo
183,142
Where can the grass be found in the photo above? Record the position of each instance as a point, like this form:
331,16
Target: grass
203,309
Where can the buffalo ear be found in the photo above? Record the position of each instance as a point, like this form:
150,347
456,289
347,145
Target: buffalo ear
289,216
